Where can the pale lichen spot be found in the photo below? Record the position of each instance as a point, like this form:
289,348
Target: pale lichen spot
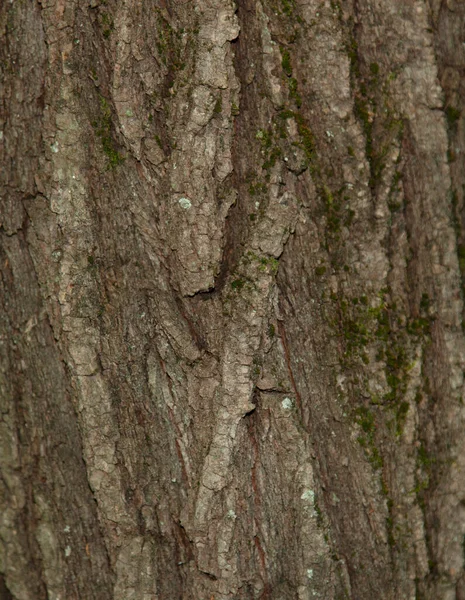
310,573
54,147
287,403
185,203
232,515
68,551
308,495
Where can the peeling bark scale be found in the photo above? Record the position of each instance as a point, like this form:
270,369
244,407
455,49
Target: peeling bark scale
232,278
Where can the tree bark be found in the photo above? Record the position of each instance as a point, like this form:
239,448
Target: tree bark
232,260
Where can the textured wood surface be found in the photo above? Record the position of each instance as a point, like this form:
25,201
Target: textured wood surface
231,337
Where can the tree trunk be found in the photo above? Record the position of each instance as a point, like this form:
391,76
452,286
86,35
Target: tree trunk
231,345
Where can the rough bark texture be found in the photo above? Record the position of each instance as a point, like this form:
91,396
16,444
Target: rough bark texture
231,261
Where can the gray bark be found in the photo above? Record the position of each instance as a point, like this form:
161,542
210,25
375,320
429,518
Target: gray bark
232,259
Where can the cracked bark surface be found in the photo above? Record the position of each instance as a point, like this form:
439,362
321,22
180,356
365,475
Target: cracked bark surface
231,336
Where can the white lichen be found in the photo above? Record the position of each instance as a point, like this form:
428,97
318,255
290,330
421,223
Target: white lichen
310,573
68,551
54,147
287,403
232,515
308,495
185,203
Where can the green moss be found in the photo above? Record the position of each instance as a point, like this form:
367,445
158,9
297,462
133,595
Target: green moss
234,109
332,209
397,366
103,131
308,140
390,531
377,167
272,158
271,331
237,284
376,459
265,137
362,441
452,117
363,115
349,217
166,41
256,189
355,334
396,178
461,255
385,490
286,61
424,458
383,330
293,92
350,151
320,271
352,53
268,263
419,326
401,416
333,201
287,114
425,302
287,7
366,420
218,106
394,206
107,24
371,104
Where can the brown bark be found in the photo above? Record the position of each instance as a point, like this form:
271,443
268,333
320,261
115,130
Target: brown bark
232,261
